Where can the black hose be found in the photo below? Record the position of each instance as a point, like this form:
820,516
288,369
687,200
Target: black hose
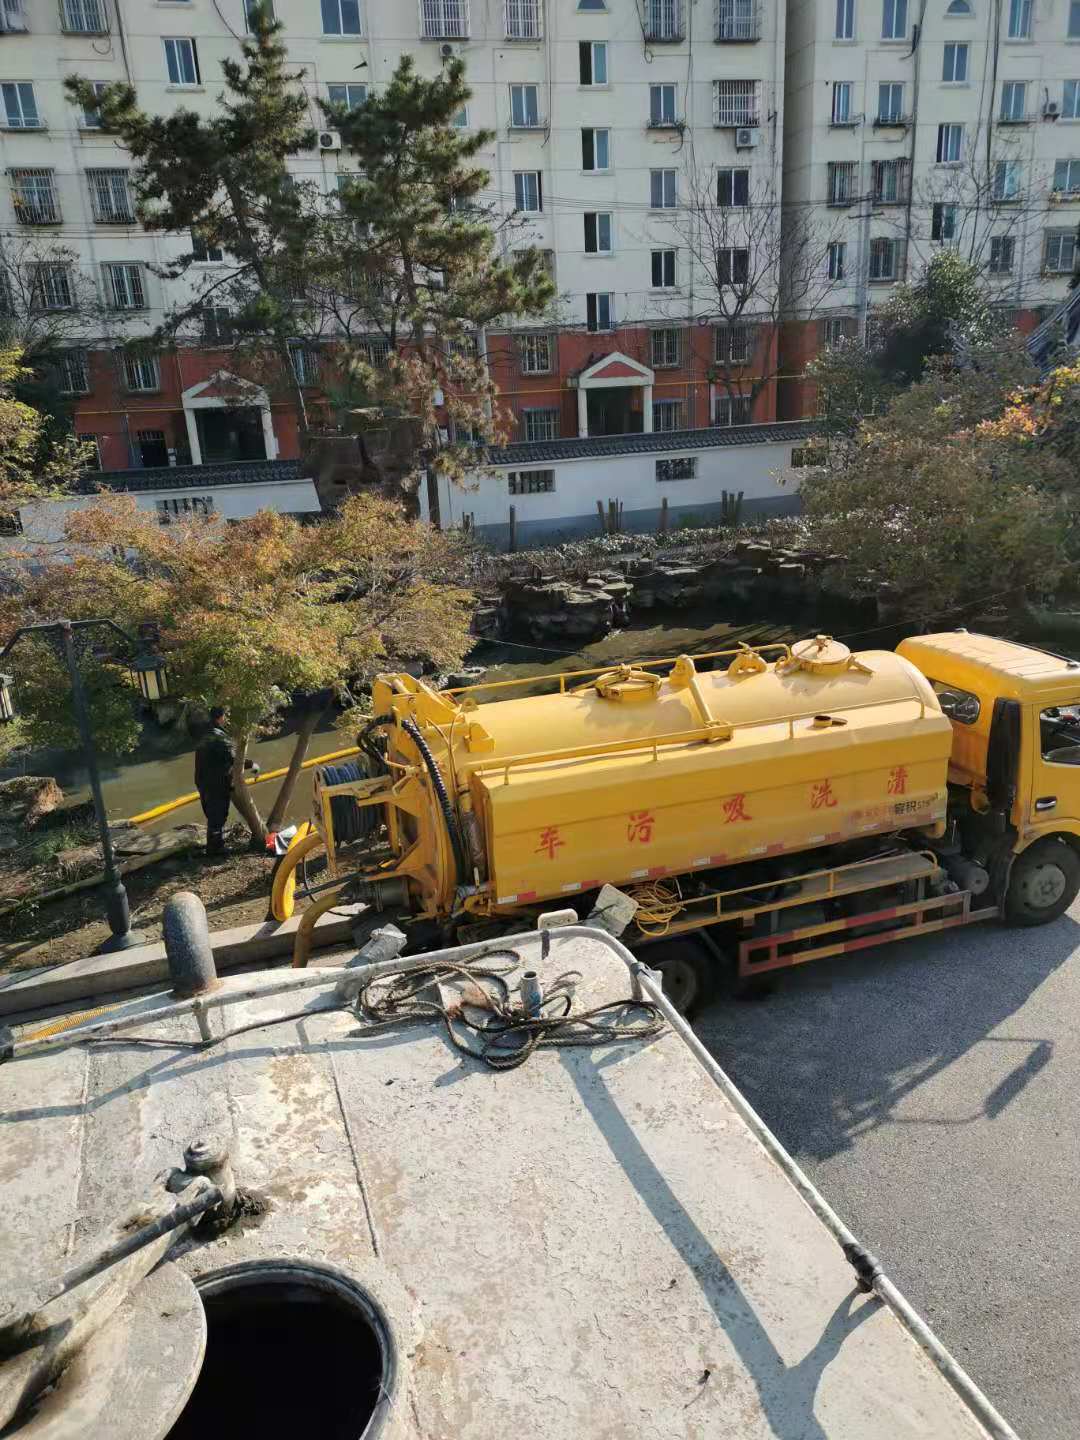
413,731
377,759
350,821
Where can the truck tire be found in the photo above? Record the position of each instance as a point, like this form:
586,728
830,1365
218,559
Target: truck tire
686,969
1043,883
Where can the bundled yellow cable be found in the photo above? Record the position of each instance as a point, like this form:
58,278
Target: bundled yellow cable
658,903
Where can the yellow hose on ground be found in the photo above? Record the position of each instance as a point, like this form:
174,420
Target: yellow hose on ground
181,800
305,932
283,888
69,1022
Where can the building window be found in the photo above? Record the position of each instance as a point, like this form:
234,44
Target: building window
663,270
153,451
444,19
216,321
110,197
142,372
182,61
733,187
51,287
954,69
681,467
305,364
535,351
599,311
531,482
845,20
663,20
731,410
943,223
960,7
888,179
524,107
1013,100
73,372
1002,250
1074,20
1006,184
83,17
950,144
736,20
883,257
1059,252
540,425
803,457
835,330
837,259
662,190
735,103
894,20
90,119
204,254
524,19
1070,108
841,102
732,265
124,287
664,349
592,4
374,350
890,103
595,149
20,107
597,232
33,193
662,105
1020,20
92,460
1067,176
528,190
351,96
732,344
592,62
841,181
184,507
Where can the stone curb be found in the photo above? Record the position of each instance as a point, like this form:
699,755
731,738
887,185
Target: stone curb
145,965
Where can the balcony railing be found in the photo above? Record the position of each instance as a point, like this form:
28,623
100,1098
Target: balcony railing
1019,117
444,19
524,19
892,120
737,21
664,23
84,17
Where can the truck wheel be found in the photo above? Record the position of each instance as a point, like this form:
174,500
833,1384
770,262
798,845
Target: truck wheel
1043,883
686,970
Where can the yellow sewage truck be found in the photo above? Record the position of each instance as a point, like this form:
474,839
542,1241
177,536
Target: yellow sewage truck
775,804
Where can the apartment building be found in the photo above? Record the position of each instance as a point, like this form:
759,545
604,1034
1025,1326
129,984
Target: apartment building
609,117
916,124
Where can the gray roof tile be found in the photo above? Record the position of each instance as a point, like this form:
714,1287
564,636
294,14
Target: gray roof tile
596,447
193,477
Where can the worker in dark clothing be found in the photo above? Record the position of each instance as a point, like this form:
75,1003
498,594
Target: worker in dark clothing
214,758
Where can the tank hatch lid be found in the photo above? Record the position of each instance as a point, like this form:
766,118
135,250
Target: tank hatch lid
820,655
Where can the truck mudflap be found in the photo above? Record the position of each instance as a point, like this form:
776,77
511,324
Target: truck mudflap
786,948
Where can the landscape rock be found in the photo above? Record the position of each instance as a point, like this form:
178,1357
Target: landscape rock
24,799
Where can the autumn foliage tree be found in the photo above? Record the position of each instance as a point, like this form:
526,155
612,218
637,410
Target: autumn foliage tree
35,461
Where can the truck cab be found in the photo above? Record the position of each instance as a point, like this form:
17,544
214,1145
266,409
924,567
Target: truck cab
1014,773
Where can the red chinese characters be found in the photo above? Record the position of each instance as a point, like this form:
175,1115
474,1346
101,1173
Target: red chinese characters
821,795
734,808
550,841
640,829
898,780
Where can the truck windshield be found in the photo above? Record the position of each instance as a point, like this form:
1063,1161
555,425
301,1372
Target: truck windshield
1059,728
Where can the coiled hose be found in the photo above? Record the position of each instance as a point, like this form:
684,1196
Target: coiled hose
350,821
457,846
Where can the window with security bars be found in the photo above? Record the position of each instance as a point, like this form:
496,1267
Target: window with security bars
12,16
142,372
840,182
664,349
836,329
124,287
803,457
110,197
663,20
736,20
83,17
735,103
20,107
731,410
667,415
73,372
33,193
732,265
184,507
680,467
374,350
51,287
444,19
889,181
1002,252
531,482
305,363
524,19
1067,176
732,344
543,424
1059,252
535,352
884,256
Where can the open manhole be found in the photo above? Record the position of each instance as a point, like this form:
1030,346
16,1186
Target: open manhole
291,1349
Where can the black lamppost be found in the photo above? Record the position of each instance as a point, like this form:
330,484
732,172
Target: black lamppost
153,681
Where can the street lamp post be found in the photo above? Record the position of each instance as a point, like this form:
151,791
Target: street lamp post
153,684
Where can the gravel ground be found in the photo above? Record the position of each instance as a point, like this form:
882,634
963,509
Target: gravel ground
931,1090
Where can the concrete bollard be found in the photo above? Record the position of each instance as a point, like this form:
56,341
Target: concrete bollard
187,947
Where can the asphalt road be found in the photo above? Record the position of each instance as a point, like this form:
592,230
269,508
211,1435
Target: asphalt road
931,1090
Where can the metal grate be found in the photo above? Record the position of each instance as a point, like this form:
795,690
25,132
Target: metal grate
889,179
735,103
737,20
33,193
444,19
664,20
841,182
83,17
11,16
142,372
74,372
110,197
124,284
524,19
51,287
535,354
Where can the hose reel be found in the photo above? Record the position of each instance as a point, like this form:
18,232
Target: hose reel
351,822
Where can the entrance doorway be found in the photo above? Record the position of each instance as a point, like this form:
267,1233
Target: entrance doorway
230,434
613,412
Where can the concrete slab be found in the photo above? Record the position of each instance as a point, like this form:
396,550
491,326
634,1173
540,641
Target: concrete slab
99,975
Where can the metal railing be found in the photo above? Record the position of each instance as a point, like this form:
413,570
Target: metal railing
737,20
110,198
33,194
83,17
735,104
664,21
524,19
444,19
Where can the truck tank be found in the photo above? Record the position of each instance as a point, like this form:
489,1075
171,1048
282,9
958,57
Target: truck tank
661,769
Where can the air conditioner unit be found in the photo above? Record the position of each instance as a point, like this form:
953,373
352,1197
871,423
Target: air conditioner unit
747,137
447,52
329,140
1051,110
